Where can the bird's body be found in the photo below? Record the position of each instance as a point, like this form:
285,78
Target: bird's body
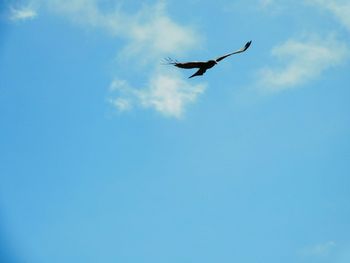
203,66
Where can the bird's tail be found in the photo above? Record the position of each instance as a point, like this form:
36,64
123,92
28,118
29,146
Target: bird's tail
169,61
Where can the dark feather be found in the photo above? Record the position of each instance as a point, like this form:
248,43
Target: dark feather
200,72
236,52
193,64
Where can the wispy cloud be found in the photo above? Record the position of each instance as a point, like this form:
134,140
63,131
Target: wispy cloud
339,8
319,250
149,34
22,13
166,93
266,3
301,61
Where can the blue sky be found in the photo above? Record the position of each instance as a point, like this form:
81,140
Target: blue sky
109,156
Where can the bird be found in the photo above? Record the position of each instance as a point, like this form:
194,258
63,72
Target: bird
203,66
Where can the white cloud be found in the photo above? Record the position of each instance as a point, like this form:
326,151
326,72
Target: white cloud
339,8
266,3
301,61
149,35
148,32
126,95
319,250
170,94
23,13
166,93
121,104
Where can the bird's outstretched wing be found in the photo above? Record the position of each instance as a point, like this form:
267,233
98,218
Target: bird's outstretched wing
236,52
200,72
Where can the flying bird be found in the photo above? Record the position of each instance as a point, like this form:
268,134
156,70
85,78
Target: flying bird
203,66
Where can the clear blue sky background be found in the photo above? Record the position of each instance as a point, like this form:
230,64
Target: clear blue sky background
108,156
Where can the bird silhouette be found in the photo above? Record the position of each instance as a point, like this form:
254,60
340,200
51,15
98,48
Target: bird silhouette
203,66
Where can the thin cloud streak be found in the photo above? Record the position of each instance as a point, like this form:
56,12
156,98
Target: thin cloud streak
319,250
22,14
